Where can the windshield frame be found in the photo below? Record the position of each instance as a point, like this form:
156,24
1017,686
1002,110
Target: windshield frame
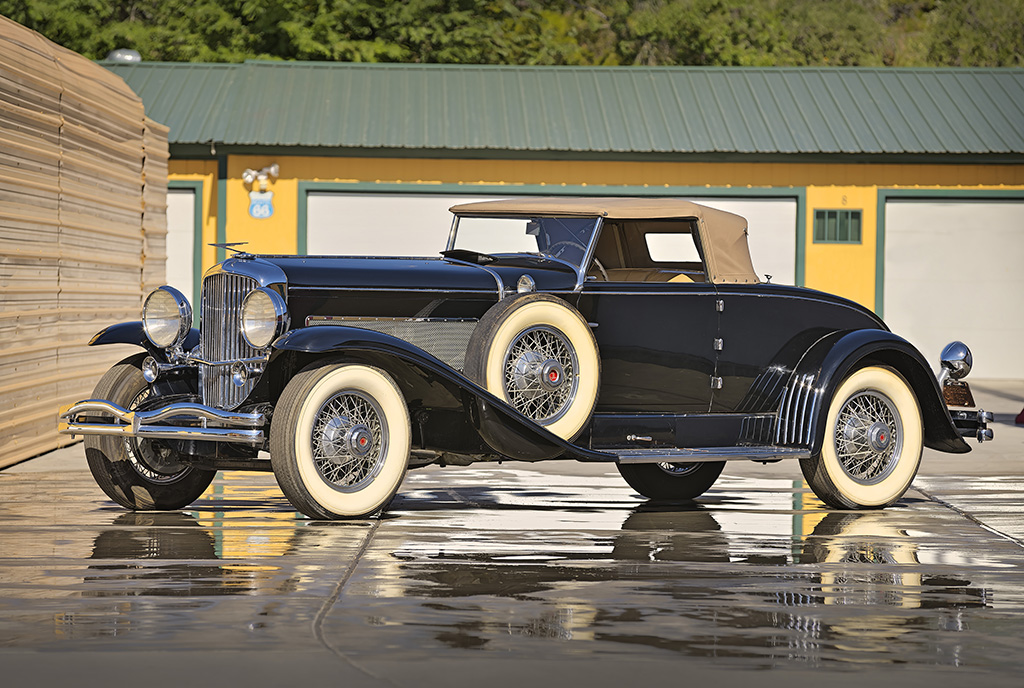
588,253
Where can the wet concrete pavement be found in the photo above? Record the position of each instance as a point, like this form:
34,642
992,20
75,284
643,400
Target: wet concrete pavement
503,575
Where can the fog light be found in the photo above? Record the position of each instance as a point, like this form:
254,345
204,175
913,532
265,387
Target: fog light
239,374
150,369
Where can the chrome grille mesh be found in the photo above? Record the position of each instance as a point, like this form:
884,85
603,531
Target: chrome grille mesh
221,338
444,339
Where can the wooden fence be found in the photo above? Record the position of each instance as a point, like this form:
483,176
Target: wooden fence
83,194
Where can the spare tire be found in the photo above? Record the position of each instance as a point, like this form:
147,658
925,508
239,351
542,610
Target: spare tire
537,353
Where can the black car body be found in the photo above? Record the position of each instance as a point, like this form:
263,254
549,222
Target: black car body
628,331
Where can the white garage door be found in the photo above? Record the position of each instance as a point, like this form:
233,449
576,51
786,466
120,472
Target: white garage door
380,224
418,225
181,232
954,269
771,227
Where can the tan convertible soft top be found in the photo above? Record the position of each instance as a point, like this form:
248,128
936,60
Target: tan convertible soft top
723,235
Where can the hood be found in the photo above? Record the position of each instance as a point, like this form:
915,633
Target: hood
409,273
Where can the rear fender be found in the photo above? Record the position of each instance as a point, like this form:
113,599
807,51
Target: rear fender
803,413
502,428
134,333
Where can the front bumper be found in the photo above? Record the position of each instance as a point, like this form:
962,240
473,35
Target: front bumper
177,421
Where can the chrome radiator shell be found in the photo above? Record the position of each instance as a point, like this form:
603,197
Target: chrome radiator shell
221,339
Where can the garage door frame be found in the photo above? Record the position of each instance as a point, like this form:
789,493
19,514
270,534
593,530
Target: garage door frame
196,187
884,195
798,194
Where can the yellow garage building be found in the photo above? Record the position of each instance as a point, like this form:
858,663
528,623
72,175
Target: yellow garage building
902,189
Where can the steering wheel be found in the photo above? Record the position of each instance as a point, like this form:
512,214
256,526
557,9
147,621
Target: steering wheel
575,244
600,268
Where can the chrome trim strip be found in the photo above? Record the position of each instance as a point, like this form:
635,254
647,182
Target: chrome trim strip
581,271
492,273
401,289
684,455
311,319
201,361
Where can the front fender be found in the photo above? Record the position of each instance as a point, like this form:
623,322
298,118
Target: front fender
803,413
134,333
501,427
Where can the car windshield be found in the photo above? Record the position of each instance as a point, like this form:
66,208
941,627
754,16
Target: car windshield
562,238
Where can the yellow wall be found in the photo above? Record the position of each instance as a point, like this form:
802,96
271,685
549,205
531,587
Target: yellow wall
844,269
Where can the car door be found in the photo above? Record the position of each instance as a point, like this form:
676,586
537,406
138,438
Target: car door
657,345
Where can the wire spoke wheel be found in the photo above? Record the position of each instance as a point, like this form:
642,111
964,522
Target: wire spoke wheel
537,353
140,474
349,440
340,439
540,374
868,437
872,445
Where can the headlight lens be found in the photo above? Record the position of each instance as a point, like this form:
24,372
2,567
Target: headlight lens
264,316
166,317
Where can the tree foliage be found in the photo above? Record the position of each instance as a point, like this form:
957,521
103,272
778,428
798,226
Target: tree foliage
542,32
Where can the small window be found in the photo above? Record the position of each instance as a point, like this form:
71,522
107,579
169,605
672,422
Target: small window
672,248
837,226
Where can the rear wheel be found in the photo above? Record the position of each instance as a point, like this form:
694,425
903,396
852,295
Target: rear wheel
340,440
671,481
872,444
144,475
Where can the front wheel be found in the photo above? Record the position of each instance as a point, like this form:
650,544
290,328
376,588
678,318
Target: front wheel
340,440
872,444
143,475
671,481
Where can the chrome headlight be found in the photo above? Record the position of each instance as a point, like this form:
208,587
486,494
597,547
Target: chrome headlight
264,317
166,317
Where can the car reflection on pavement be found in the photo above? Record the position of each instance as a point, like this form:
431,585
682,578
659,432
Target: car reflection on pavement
530,570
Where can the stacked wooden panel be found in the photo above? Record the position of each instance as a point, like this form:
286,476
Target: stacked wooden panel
73,199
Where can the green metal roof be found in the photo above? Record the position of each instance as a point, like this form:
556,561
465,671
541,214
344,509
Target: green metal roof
587,110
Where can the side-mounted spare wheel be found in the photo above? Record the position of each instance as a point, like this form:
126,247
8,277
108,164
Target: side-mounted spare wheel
872,444
144,475
340,440
537,353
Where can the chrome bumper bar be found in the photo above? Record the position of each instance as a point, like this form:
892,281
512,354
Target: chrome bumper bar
201,422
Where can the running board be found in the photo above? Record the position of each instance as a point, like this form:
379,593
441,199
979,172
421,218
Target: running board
681,455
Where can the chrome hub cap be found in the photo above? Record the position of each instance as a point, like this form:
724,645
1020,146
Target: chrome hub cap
349,440
868,437
540,374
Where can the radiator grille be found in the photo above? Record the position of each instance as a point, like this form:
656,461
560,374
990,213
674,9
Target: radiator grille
221,338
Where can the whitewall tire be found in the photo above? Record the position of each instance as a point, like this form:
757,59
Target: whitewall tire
872,444
538,354
340,440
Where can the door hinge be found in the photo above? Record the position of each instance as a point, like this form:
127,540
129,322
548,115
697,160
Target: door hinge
716,383
719,344
719,305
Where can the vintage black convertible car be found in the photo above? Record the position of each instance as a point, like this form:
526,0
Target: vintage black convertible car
626,331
